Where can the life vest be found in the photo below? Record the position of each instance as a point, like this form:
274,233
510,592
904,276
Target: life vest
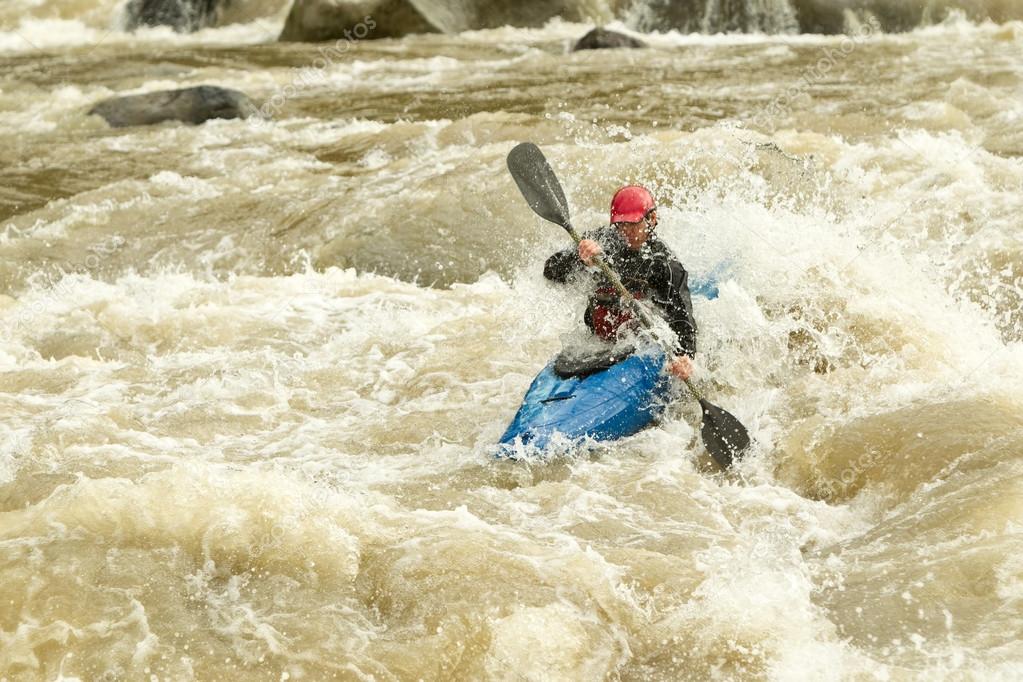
606,315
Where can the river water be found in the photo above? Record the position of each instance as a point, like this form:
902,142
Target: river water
251,372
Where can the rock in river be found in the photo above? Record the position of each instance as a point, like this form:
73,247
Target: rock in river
189,105
601,38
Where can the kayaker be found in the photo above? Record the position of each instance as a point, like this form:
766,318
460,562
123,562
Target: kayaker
646,266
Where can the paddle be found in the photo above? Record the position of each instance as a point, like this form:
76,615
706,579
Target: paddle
724,435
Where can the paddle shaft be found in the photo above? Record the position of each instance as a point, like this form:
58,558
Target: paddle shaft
626,296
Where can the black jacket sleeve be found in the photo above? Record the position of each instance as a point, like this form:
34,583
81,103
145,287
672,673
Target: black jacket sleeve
562,265
565,263
673,297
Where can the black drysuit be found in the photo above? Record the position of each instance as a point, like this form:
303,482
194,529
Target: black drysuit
651,272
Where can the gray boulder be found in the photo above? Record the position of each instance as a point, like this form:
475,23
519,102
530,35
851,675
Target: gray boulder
602,39
189,105
184,16
829,16
319,20
820,16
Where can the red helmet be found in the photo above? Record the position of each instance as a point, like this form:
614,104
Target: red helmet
631,204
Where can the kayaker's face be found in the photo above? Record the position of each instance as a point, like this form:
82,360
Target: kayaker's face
636,234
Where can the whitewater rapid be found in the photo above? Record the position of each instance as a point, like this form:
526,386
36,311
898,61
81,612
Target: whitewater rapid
252,372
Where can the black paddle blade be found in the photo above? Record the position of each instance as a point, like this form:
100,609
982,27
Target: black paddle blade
538,183
725,437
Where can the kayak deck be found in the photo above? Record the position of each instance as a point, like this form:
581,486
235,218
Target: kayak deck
605,405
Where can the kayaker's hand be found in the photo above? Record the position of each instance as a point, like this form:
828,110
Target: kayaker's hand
588,249
682,367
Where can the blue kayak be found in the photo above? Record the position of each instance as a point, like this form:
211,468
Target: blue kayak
601,397
604,404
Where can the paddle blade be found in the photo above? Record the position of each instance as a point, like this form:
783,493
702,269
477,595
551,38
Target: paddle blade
538,183
724,435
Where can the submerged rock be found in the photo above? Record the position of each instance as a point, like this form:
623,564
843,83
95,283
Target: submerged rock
838,16
189,105
181,15
317,20
601,38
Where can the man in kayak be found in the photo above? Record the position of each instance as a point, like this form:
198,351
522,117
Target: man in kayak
646,266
